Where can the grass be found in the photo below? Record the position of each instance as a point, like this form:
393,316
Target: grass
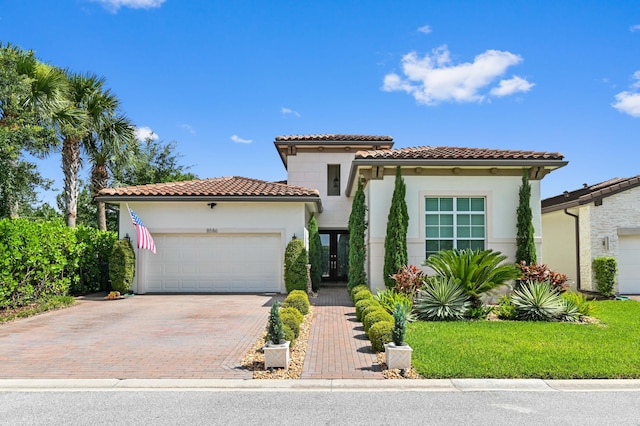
53,303
549,350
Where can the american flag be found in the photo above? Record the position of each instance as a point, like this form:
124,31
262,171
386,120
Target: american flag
145,241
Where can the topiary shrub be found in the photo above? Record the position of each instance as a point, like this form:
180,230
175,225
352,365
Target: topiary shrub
289,334
356,289
399,325
375,316
357,246
363,294
315,253
292,311
362,305
301,303
605,270
122,266
291,321
368,309
379,335
275,328
300,293
295,266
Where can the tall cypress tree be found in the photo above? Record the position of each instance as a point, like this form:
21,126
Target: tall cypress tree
315,253
395,243
357,249
526,247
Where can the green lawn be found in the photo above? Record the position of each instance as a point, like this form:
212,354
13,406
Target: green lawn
511,349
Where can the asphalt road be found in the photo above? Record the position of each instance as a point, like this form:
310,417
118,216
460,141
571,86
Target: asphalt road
300,407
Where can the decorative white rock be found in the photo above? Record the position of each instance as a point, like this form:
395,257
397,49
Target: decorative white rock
398,356
276,356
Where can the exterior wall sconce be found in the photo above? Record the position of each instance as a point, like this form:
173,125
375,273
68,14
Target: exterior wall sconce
127,237
336,182
212,205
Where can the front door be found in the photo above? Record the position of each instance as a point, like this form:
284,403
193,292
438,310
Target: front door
335,255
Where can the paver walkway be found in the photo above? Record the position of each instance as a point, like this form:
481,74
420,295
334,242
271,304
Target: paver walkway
338,347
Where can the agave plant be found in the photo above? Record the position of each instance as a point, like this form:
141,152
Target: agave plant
477,271
537,301
441,299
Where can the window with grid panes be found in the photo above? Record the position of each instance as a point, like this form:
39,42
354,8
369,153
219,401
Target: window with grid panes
454,222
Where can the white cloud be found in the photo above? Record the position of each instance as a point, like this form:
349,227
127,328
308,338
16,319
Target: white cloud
114,5
434,78
634,28
144,133
628,101
511,86
425,29
288,111
188,128
238,139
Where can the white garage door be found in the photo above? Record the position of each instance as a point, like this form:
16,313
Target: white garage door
215,263
629,264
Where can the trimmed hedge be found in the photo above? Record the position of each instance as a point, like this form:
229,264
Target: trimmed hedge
122,264
605,270
298,301
364,304
292,311
95,248
361,295
375,316
380,334
358,288
291,321
295,265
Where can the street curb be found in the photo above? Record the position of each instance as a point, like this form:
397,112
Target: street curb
322,385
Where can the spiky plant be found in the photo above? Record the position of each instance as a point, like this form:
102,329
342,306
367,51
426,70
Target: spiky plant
389,298
441,299
275,329
399,325
537,301
477,271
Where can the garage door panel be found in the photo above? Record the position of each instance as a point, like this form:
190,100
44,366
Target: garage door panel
215,263
629,264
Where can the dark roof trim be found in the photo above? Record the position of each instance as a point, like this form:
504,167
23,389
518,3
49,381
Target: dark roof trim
556,203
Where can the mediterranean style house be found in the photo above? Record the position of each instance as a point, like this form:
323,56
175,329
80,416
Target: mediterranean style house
228,234
594,221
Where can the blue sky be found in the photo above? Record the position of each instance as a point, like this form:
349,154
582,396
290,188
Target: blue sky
223,78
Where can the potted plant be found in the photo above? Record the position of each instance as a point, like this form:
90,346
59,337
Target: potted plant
276,350
398,353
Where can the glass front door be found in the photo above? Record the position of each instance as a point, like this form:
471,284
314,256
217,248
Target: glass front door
335,255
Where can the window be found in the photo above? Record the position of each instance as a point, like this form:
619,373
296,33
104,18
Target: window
333,179
454,222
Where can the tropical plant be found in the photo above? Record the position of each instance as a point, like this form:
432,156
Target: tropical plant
399,325
477,271
525,243
441,299
408,280
395,243
585,307
605,270
315,253
506,310
389,298
275,329
537,301
295,265
541,272
570,310
479,312
380,334
357,249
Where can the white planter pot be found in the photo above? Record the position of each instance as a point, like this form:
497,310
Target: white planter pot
398,356
276,356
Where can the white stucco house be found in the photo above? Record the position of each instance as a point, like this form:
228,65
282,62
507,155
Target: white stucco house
229,234
594,221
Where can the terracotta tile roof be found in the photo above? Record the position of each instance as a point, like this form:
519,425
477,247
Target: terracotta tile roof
454,153
234,186
589,193
333,137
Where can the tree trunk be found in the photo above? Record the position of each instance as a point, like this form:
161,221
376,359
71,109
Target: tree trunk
99,180
71,167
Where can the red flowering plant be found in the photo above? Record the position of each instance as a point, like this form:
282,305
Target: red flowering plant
408,280
539,273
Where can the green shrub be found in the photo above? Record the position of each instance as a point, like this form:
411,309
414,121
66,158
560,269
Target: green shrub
301,303
291,321
570,311
441,299
541,272
122,265
95,247
315,253
395,242
380,334
605,270
399,325
368,309
362,294
389,298
585,307
275,328
289,334
537,301
506,309
362,305
408,280
479,312
358,288
357,245
477,271
292,311
375,316
300,293
295,266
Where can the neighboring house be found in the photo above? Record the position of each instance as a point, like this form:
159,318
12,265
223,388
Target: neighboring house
594,221
229,234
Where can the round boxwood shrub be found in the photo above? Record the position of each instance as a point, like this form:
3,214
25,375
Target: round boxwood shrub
288,334
356,289
362,305
290,320
379,334
375,316
363,294
300,293
368,309
292,311
122,266
297,301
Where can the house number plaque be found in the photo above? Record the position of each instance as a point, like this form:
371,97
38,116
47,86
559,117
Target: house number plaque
212,230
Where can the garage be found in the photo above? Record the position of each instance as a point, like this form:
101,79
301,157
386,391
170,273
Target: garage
629,264
214,263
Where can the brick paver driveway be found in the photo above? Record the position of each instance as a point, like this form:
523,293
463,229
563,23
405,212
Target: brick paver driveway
150,336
